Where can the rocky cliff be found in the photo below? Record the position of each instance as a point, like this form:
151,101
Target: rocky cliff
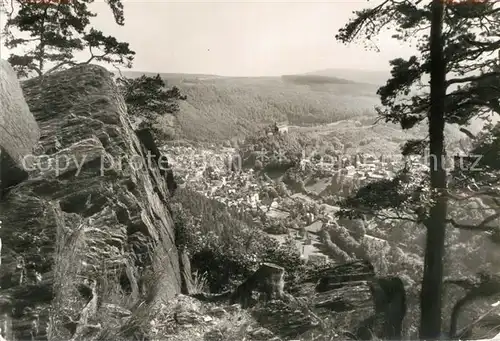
18,130
88,234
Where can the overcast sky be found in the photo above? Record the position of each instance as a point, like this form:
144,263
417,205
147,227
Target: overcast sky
242,38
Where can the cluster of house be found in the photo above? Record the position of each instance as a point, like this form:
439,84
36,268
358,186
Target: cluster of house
206,171
350,173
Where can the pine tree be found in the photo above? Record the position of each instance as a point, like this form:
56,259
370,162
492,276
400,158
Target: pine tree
50,33
456,45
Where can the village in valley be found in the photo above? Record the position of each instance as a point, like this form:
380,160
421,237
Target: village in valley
298,209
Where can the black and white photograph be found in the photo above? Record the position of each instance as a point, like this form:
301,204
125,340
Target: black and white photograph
249,170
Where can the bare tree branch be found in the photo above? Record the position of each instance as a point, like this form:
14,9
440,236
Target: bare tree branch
483,226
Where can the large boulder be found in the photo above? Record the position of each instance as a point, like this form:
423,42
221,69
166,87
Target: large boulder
19,131
340,302
326,299
91,226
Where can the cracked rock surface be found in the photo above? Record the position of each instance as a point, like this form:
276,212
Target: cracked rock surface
18,129
92,218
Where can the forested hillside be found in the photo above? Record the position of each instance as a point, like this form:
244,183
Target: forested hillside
221,108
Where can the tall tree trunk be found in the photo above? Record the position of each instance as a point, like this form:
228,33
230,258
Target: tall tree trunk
430,301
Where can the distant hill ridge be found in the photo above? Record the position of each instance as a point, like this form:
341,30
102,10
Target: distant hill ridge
332,76
315,79
375,77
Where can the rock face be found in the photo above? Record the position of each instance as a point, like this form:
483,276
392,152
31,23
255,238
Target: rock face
325,300
328,300
91,227
18,129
